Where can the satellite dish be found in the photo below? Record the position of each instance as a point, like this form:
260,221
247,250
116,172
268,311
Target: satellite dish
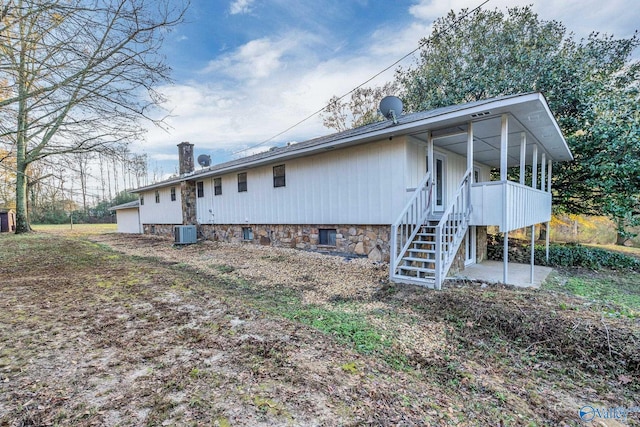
204,160
391,108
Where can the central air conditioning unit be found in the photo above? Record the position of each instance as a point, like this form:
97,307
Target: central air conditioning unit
185,234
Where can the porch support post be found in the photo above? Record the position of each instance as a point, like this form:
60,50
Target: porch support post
546,247
534,167
504,140
523,155
430,164
543,169
470,147
505,255
548,223
533,250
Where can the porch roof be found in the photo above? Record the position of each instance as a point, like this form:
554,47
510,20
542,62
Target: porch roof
449,124
529,114
129,205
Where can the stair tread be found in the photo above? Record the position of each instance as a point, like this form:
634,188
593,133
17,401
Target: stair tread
418,259
421,269
422,251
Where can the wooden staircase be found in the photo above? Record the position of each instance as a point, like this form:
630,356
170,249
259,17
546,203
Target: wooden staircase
423,246
419,260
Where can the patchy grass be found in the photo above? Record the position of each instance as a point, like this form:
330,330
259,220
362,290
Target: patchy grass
616,293
627,250
352,328
90,336
75,230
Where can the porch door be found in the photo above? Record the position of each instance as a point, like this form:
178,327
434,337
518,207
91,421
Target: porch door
470,246
439,182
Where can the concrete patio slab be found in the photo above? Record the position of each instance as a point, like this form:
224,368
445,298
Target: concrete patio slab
518,274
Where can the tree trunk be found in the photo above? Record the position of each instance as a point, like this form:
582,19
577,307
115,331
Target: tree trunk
22,215
543,231
22,218
621,236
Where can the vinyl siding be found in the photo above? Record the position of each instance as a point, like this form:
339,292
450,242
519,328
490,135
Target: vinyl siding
355,185
165,212
128,220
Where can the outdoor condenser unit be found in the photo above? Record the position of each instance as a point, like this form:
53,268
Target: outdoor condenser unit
185,234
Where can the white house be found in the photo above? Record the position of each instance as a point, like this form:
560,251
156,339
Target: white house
416,191
128,217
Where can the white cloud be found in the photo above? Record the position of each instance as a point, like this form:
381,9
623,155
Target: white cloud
580,16
240,6
254,60
261,58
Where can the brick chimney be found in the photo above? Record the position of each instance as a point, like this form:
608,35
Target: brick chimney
185,157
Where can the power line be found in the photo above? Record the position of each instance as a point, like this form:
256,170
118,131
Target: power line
420,46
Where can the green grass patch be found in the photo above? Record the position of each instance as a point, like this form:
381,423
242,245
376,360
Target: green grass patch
75,229
352,328
618,294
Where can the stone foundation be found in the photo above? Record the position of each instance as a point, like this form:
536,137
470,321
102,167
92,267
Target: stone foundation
364,240
158,229
481,243
481,251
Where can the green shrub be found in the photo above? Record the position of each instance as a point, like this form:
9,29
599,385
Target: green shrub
574,255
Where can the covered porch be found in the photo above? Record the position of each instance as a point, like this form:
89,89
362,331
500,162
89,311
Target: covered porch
511,142
520,141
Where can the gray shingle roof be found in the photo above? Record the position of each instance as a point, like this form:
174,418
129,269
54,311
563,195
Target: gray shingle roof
299,149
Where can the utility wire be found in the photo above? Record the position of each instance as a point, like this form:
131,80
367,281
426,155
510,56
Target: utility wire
420,46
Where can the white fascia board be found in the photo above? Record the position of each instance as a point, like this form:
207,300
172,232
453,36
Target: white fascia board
543,101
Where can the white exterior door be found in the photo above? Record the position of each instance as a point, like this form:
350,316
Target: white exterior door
439,183
470,246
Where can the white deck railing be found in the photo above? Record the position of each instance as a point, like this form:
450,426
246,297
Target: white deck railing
509,205
452,228
414,215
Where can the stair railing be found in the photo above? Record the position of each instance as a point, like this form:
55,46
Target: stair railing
452,228
414,215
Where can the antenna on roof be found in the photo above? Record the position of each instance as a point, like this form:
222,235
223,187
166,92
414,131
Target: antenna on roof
204,160
391,108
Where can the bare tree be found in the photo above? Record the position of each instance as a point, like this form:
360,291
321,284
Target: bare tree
361,108
79,163
80,76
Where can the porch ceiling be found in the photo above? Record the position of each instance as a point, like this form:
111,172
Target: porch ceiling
529,118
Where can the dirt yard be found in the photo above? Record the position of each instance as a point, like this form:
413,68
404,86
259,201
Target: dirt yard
129,330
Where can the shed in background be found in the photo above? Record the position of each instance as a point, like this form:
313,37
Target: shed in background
7,220
128,217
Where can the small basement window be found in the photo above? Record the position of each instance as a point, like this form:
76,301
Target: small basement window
279,176
217,186
242,182
247,233
173,194
157,196
200,188
327,236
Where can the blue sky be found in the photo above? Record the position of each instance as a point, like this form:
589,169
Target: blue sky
246,70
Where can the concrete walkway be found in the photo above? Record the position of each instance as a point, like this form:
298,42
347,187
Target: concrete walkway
518,274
